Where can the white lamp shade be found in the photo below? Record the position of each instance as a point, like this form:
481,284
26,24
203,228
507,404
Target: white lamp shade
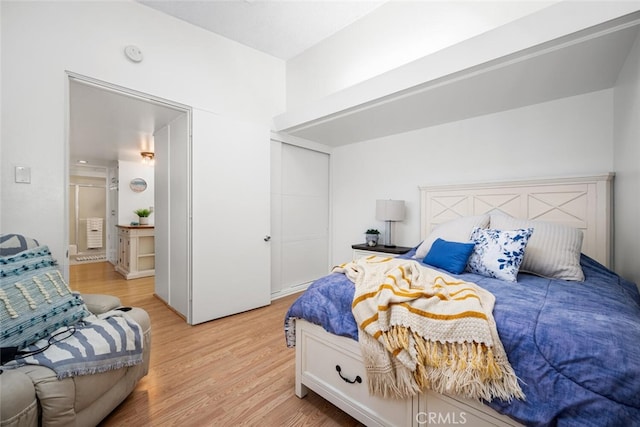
390,210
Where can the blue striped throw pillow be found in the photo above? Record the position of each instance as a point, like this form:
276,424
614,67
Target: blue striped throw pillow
35,300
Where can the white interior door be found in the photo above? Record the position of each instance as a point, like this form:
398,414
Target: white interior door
179,231
300,212
171,212
161,214
230,216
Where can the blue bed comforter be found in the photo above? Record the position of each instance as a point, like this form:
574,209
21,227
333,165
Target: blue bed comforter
574,345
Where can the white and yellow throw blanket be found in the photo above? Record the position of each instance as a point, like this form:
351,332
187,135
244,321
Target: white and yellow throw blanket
422,329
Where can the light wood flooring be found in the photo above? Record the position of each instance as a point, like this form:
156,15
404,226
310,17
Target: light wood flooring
227,372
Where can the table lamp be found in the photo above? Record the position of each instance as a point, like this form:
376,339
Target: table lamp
389,211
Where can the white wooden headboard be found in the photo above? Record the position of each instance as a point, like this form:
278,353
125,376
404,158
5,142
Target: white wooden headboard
581,202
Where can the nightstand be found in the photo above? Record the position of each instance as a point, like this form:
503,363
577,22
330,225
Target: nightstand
362,249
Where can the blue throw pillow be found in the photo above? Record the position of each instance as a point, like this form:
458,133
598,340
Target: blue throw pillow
35,300
450,256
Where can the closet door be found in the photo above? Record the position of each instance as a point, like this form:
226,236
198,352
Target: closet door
161,198
178,226
171,212
300,217
230,217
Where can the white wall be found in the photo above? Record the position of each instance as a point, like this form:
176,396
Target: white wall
627,167
129,200
183,63
570,136
394,34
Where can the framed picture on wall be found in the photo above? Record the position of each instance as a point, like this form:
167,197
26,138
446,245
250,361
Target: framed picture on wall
138,185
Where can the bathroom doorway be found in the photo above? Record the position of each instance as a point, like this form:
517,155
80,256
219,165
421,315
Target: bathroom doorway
88,211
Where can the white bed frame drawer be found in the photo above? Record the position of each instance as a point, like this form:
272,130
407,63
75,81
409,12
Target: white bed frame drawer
318,354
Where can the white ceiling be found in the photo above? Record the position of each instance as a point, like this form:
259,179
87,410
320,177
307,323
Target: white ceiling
106,126
281,28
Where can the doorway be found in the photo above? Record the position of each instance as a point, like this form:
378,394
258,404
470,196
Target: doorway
87,212
109,126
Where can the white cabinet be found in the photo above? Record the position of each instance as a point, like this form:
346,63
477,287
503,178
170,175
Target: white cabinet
136,251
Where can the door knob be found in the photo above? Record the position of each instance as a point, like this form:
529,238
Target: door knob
267,238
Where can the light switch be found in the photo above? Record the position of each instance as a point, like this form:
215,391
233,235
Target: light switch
23,174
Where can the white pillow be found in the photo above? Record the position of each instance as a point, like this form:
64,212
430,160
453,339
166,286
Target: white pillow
553,250
456,230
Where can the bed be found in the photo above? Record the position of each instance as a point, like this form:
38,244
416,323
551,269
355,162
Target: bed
572,341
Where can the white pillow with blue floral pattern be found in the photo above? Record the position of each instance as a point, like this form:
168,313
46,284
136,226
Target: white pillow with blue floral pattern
498,253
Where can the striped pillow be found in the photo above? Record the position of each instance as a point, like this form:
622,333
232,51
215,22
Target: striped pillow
553,250
34,298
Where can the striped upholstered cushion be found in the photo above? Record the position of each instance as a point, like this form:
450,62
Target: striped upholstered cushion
553,250
34,298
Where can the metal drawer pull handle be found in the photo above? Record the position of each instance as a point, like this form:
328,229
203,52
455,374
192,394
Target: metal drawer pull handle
357,380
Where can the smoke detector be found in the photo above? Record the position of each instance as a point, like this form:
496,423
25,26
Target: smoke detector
133,53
